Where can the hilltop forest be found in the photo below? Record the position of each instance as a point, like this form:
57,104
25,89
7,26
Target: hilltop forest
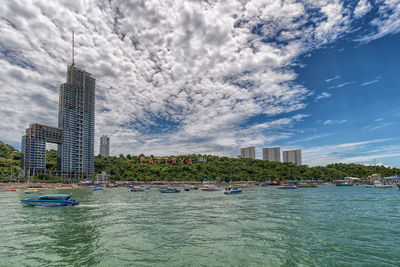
215,168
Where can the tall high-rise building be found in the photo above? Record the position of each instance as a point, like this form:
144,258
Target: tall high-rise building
272,153
104,146
248,152
293,156
75,132
76,119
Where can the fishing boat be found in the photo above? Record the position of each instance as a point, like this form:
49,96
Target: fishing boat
210,188
288,186
379,184
230,190
97,189
169,190
31,191
56,200
138,189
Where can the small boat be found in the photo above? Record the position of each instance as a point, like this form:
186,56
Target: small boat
378,184
288,186
210,188
98,188
186,187
230,190
169,190
138,189
7,190
344,184
31,191
398,185
56,200
306,185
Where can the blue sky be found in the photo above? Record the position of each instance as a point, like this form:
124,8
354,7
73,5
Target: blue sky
177,77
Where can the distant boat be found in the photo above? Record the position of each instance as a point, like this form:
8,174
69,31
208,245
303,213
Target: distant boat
138,189
210,188
230,190
344,184
8,190
288,186
56,200
169,190
306,185
97,189
379,184
31,191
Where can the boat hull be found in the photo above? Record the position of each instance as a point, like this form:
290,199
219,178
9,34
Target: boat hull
49,203
169,190
287,187
233,192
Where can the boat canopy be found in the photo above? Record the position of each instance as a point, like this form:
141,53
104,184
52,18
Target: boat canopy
55,196
396,177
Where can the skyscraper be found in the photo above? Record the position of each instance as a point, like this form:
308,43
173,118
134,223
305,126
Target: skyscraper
248,152
104,146
272,153
293,156
76,118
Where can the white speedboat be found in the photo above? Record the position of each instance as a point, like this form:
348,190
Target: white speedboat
378,184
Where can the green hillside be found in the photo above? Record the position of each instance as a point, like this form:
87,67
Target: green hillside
215,168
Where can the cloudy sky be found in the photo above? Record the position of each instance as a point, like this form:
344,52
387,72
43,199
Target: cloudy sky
176,77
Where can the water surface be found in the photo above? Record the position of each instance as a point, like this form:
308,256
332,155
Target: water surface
324,226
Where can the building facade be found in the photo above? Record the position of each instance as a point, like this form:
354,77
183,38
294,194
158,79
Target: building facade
248,152
293,156
76,118
33,147
104,146
272,154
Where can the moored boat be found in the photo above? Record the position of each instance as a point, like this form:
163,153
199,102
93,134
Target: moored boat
288,186
379,184
138,189
97,189
231,190
306,185
31,191
210,188
169,190
56,200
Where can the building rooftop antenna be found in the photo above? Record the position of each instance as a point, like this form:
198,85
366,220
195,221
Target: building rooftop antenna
73,61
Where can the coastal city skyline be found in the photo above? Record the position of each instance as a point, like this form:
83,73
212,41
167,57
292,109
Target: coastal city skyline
212,79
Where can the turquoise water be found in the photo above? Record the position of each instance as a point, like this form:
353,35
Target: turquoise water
324,226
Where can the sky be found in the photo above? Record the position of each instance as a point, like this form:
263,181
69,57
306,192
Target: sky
209,77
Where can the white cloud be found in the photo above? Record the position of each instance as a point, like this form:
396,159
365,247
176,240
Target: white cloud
362,8
355,152
322,96
332,79
331,122
172,76
370,82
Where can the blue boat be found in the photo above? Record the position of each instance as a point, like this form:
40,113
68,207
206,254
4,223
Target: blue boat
288,186
97,188
230,190
169,190
57,200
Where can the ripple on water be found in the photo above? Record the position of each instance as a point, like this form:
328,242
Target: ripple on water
325,226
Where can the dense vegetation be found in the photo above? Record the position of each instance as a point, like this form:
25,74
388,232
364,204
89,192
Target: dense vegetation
216,168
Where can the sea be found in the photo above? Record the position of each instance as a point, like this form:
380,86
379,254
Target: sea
262,226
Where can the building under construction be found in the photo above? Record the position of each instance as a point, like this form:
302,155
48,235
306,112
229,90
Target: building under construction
74,135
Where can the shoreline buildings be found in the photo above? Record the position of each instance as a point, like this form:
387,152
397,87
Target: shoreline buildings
248,152
272,153
74,135
104,146
293,156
